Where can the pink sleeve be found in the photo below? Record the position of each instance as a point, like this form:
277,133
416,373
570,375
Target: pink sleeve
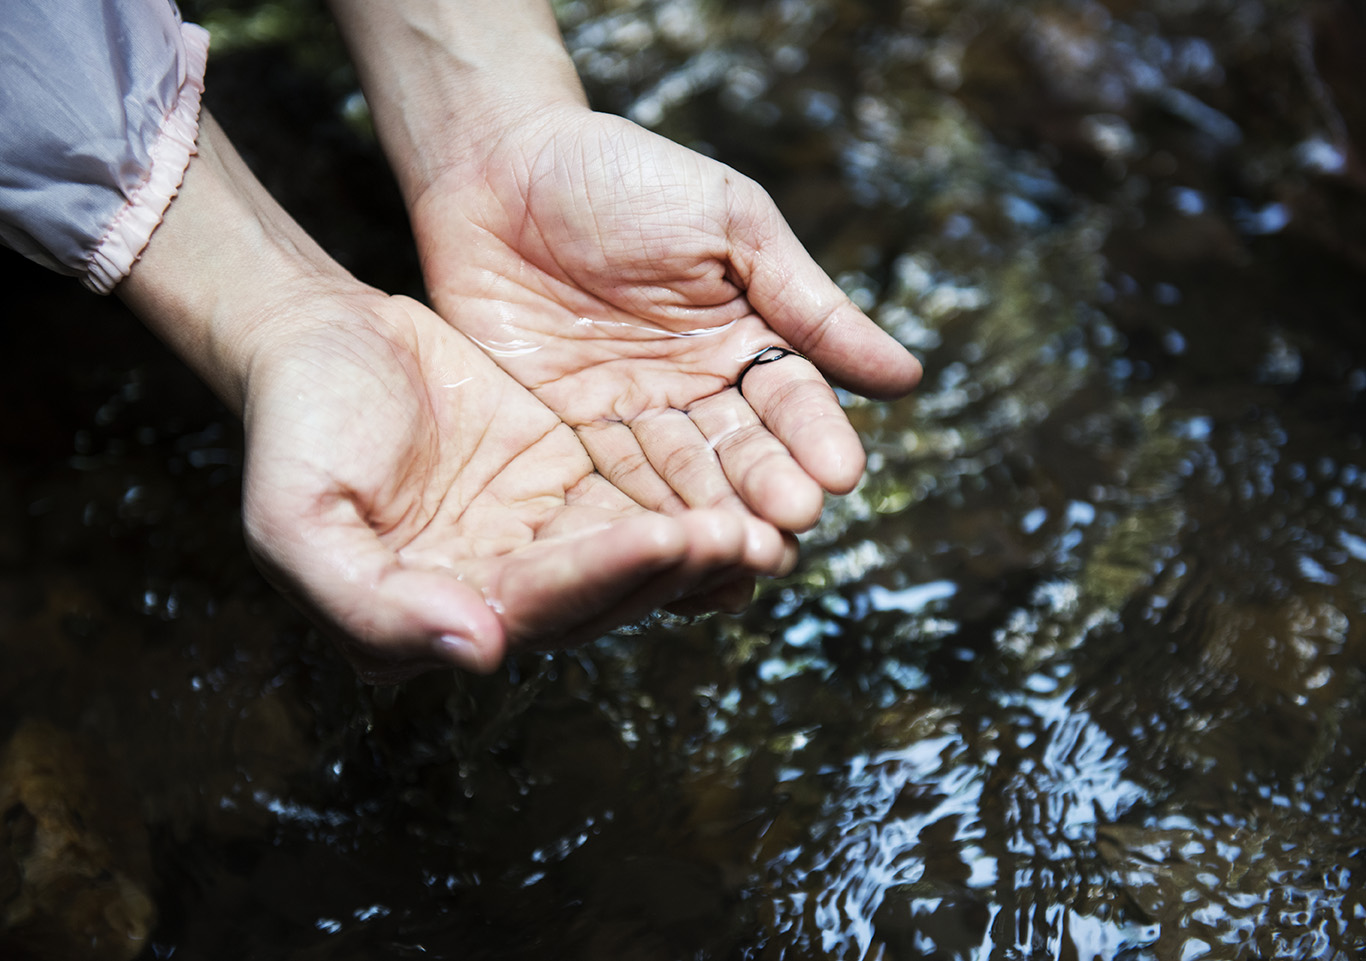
99,104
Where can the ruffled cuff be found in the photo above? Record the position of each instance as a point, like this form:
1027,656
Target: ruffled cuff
132,227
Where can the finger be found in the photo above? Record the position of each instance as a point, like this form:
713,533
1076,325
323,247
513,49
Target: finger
726,550
732,589
573,588
761,467
616,453
730,596
393,621
576,589
799,408
804,306
683,456
594,503
768,550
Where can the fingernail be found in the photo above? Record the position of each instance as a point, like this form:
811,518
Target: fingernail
458,648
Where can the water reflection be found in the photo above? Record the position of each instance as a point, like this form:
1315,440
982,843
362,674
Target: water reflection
1076,672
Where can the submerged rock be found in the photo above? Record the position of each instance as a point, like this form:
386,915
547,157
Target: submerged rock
74,863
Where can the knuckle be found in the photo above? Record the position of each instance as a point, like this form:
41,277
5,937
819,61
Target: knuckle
687,464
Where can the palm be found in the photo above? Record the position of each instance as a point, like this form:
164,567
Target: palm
412,490
626,282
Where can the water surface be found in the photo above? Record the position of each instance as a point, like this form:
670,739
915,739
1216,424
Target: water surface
1077,672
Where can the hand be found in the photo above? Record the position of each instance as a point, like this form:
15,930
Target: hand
627,281
431,511
421,504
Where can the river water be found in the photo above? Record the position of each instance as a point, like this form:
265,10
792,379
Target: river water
1077,672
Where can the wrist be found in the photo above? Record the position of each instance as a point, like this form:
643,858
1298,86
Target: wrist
445,78
215,279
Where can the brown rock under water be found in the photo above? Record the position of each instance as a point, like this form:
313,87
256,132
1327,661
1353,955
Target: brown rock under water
74,864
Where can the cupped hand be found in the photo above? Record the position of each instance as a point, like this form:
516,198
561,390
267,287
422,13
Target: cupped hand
430,511
627,281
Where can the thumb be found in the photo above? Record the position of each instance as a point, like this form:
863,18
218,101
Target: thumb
392,621
800,302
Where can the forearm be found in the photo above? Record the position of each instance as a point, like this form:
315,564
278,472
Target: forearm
443,76
225,257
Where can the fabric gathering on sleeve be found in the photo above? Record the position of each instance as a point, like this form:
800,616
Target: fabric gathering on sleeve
99,111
